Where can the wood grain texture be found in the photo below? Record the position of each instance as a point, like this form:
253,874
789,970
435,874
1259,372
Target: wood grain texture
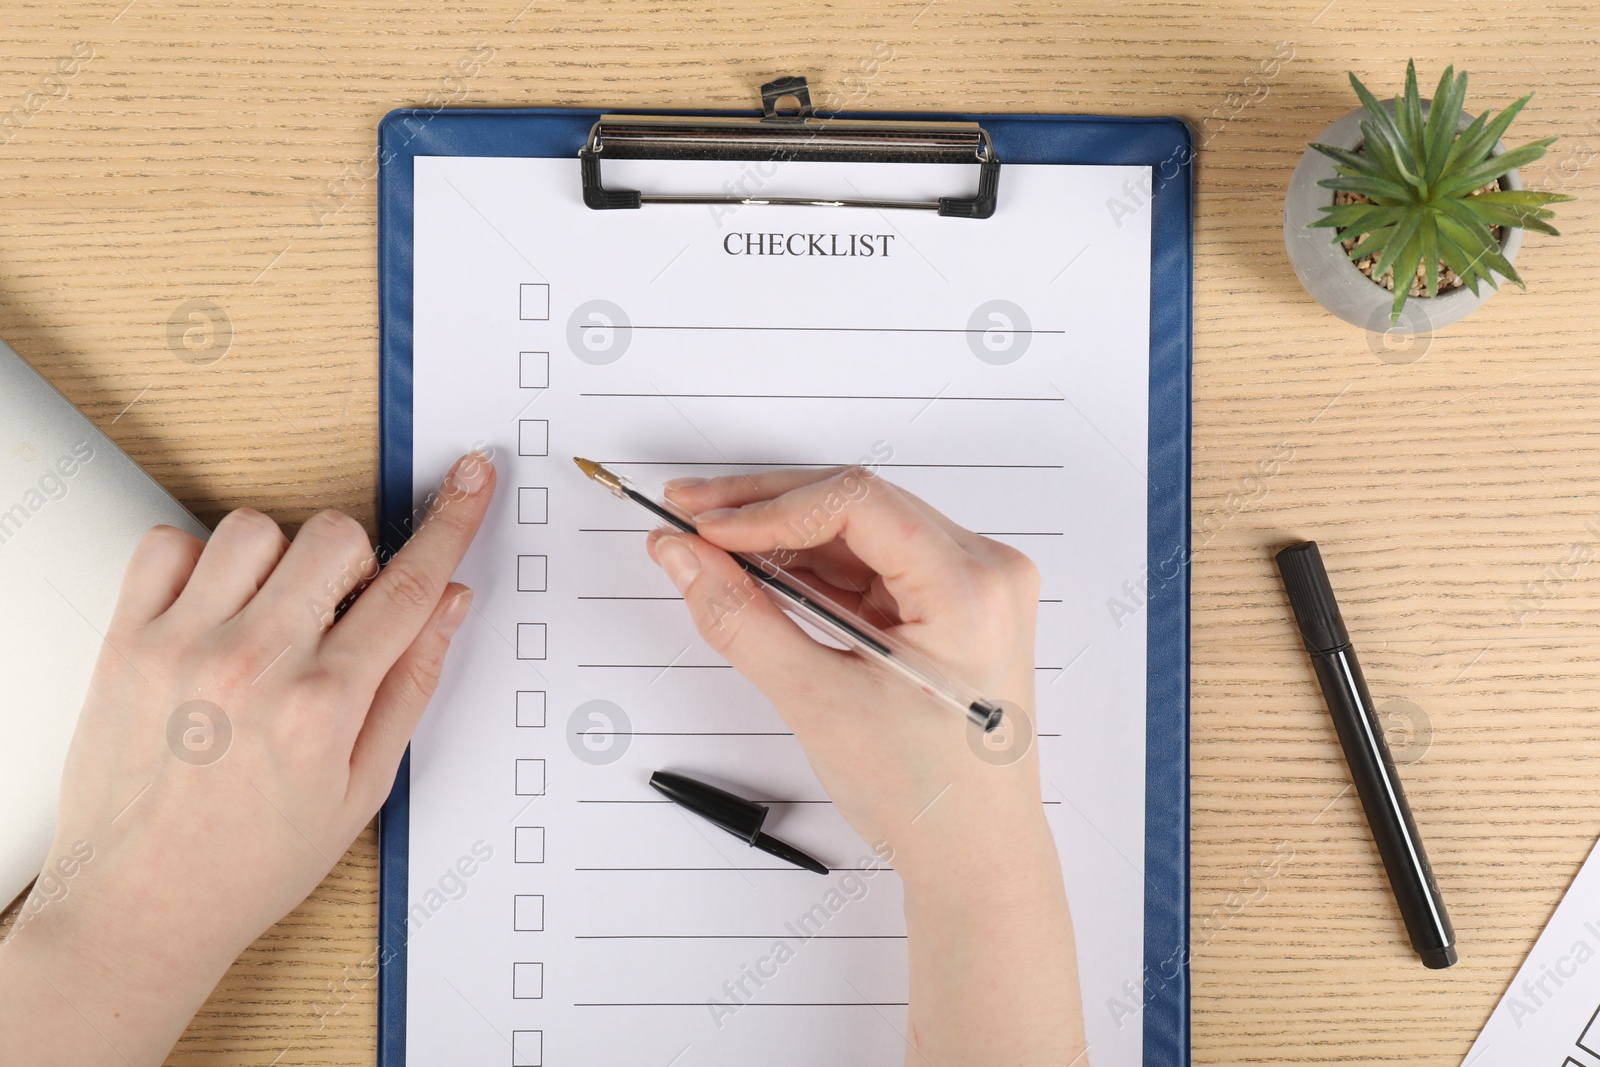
225,153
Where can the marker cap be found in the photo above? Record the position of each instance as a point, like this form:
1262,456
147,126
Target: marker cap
1315,609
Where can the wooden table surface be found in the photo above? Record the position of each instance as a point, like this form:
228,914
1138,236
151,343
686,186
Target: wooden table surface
219,159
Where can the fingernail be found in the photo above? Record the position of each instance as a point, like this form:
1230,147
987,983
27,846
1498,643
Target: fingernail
471,473
678,560
714,514
455,613
683,483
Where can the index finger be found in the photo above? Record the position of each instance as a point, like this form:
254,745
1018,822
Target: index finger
389,613
698,495
882,525
736,490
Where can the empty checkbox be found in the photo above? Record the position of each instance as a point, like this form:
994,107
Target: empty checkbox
535,301
533,370
533,505
529,909
533,437
530,777
529,844
527,1048
527,981
530,707
531,640
533,574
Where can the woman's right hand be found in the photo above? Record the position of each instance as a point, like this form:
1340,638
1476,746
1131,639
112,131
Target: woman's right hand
902,767
993,968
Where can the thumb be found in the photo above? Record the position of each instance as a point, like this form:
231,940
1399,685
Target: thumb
734,615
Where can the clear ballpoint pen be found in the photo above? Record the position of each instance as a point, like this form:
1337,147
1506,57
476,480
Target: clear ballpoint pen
795,594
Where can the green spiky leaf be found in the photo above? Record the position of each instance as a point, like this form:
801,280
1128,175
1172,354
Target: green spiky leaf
1351,161
1405,231
1373,187
1428,233
1405,272
1443,119
1357,218
1478,148
1457,260
1463,182
1530,197
1506,215
1416,175
1373,243
1408,117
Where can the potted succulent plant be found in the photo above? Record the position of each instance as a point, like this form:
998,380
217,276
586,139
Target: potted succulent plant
1412,189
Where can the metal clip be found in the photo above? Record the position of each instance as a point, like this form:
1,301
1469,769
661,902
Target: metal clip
799,134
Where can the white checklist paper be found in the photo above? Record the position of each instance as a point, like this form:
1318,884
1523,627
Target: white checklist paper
563,913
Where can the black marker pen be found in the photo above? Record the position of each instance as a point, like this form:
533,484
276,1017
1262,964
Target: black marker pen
1371,767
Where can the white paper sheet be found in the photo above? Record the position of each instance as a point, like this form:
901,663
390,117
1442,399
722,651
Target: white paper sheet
1550,1015
561,912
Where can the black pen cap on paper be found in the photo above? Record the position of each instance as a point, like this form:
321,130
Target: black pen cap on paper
1310,593
740,817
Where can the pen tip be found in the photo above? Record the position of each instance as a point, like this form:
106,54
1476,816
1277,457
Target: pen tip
595,472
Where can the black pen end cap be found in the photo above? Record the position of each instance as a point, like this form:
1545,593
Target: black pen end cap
1437,959
738,816
1311,595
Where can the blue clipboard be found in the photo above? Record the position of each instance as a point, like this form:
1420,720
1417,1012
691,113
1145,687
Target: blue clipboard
1165,145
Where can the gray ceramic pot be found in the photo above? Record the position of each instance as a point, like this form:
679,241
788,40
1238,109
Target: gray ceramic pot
1327,272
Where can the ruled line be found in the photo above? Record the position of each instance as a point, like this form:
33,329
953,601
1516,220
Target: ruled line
663,666
812,463
833,329
734,937
829,396
717,733
713,870
980,533
686,733
652,597
620,596
746,1004
758,800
